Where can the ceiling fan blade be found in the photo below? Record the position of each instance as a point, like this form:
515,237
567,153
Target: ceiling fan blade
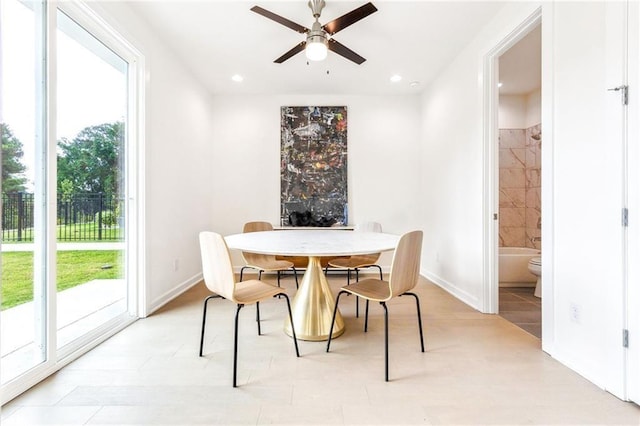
343,50
279,19
296,49
350,18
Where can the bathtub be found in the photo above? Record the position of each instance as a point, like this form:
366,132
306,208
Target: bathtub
513,268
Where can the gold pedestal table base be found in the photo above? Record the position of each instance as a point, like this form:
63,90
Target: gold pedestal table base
312,306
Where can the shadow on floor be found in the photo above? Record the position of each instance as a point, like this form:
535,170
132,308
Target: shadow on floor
519,306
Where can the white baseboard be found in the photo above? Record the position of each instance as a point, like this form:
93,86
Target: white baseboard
173,293
452,289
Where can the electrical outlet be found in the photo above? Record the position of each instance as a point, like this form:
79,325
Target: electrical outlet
575,312
176,265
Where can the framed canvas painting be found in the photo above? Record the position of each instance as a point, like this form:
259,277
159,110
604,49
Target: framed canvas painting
313,168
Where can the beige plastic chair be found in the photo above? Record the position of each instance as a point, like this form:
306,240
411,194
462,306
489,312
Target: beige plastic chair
264,262
405,272
357,262
218,277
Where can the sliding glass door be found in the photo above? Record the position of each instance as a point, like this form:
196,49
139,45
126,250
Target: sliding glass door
69,114
24,238
91,111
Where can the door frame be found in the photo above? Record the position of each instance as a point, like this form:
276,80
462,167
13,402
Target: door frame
490,75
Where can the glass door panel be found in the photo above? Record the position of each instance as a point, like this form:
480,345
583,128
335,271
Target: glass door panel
91,111
23,278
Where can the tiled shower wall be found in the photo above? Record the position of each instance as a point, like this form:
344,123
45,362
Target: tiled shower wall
519,158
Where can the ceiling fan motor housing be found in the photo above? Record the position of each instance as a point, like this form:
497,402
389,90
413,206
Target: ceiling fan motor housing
317,34
316,7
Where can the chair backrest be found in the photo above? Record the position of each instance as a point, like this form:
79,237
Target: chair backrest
405,266
256,259
216,264
368,227
257,226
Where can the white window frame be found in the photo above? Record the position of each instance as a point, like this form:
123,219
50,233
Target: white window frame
134,164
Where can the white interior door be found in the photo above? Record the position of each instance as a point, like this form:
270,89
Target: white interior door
617,134
633,279
623,131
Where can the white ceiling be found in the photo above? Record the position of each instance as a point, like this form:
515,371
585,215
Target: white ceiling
217,39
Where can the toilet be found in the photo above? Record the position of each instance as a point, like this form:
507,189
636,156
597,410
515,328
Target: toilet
535,267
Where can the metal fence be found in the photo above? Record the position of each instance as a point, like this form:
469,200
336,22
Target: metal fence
85,217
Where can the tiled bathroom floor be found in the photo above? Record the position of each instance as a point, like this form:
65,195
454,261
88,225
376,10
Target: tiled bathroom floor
519,306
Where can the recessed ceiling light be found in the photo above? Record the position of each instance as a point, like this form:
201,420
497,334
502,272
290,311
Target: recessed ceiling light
499,84
237,78
414,84
395,78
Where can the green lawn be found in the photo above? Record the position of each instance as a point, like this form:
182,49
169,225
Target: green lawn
73,268
75,232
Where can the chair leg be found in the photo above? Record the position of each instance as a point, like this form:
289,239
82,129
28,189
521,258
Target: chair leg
278,272
379,269
258,316
366,315
333,318
235,347
295,275
419,318
386,342
357,298
293,331
204,320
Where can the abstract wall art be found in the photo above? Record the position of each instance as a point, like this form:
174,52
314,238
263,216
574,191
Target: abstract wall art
313,167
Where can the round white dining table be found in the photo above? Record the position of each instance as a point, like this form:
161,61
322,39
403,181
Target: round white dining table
312,306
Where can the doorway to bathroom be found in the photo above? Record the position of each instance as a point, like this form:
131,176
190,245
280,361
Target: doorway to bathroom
513,198
519,189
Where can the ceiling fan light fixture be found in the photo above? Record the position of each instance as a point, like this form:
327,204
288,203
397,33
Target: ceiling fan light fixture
317,44
316,49
317,40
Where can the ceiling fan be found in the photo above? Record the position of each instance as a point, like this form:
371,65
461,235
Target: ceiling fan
319,36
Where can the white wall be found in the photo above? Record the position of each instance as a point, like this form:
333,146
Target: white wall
178,131
452,164
581,180
519,111
533,109
512,112
383,159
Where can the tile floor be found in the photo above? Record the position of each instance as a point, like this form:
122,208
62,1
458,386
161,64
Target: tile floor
478,369
519,306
